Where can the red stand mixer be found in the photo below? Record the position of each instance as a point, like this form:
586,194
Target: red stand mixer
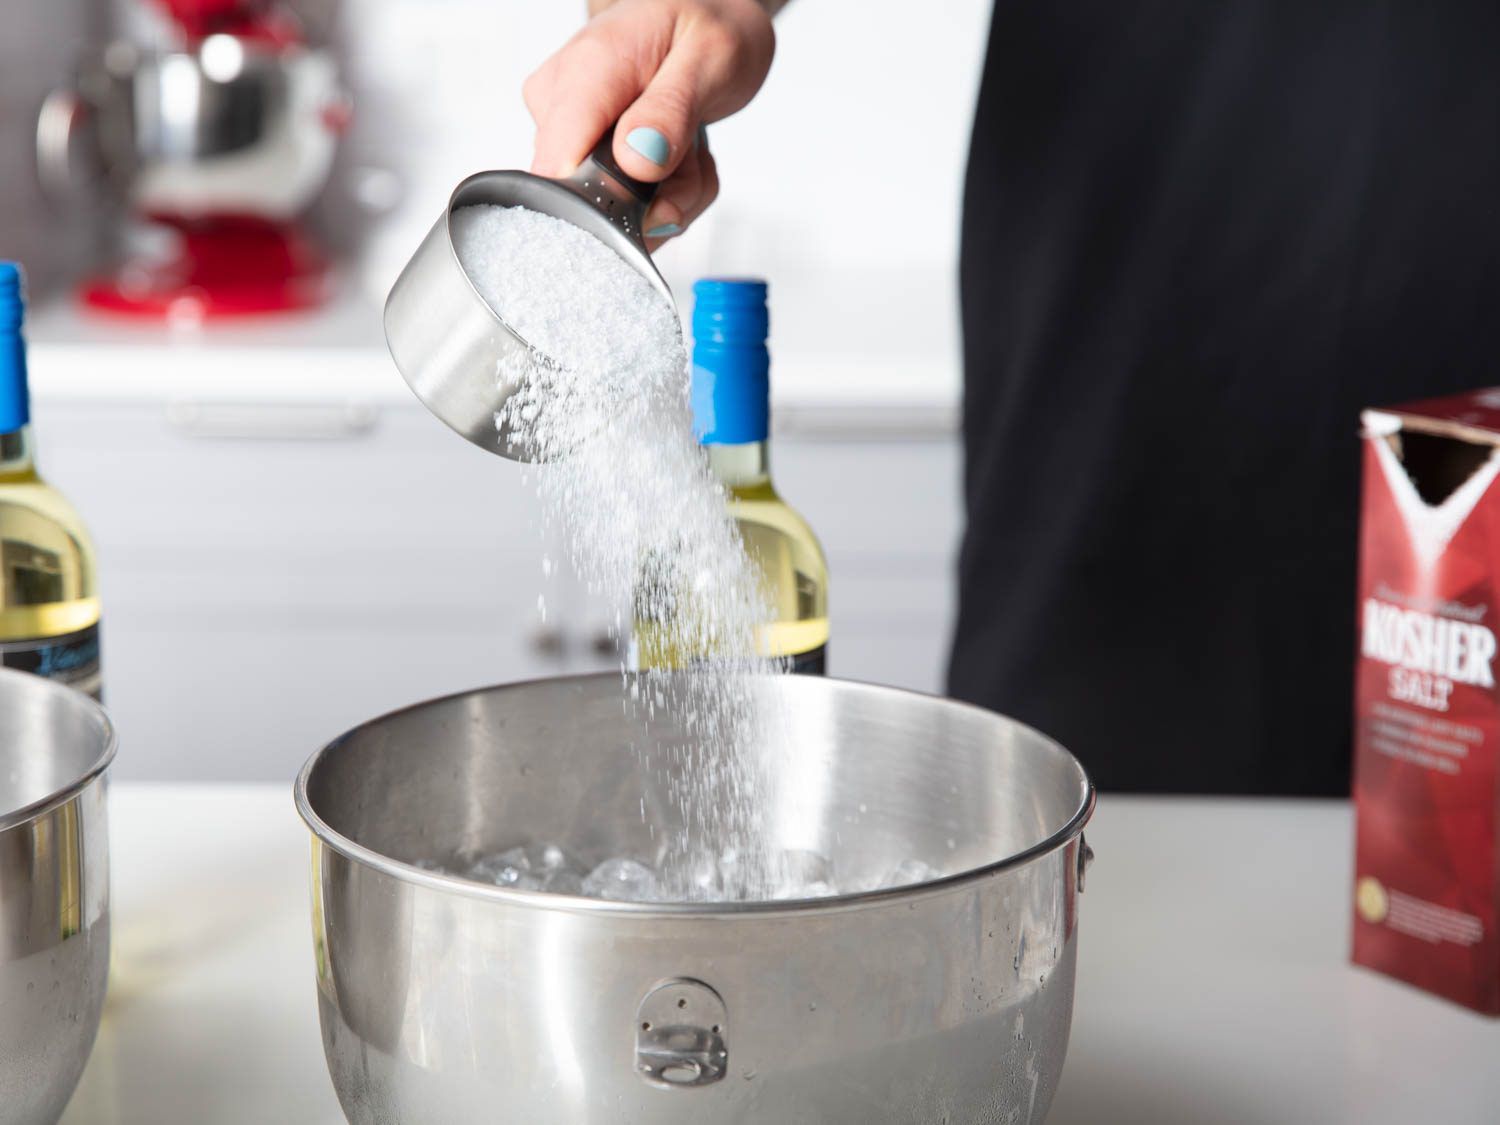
225,139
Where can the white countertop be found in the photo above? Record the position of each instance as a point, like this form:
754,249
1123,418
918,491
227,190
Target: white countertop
338,354
1213,983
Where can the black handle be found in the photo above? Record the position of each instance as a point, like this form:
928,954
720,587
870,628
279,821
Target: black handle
604,156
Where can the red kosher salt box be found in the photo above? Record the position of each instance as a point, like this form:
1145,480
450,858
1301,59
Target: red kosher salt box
1427,709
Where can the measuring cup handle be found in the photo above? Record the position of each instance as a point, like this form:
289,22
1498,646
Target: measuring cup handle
604,156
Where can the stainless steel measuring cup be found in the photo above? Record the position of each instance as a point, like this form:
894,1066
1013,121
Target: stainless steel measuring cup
446,339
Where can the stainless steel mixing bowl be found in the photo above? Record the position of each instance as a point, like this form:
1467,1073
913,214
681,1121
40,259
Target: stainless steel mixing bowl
445,1001
55,745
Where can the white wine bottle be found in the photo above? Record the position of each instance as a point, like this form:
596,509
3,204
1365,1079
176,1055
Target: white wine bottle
731,414
49,601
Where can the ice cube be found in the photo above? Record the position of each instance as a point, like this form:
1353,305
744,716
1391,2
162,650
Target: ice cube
706,879
514,857
510,868
508,875
909,872
549,858
804,888
563,882
532,867
808,866
622,879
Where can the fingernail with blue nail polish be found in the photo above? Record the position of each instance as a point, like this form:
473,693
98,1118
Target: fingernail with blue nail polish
650,144
666,230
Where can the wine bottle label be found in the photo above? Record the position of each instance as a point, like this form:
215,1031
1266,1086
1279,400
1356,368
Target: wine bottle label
813,662
72,659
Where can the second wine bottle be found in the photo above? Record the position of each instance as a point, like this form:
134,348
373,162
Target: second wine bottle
731,415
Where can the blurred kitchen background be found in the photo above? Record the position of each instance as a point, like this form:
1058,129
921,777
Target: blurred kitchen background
289,543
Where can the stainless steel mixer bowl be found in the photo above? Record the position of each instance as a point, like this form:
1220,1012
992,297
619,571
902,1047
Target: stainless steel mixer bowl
444,1000
227,128
55,745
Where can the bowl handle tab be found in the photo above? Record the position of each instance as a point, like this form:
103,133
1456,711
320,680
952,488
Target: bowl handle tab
682,1035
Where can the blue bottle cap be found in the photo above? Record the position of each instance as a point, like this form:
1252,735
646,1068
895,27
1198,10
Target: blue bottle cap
731,365
12,300
15,405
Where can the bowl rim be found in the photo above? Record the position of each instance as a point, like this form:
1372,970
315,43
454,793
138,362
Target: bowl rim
95,711
582,904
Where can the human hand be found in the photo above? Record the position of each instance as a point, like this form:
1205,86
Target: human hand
662,69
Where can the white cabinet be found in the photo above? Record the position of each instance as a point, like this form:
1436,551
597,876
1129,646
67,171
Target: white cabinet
888,514
275,572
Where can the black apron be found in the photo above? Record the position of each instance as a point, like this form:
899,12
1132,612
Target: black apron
1197,239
